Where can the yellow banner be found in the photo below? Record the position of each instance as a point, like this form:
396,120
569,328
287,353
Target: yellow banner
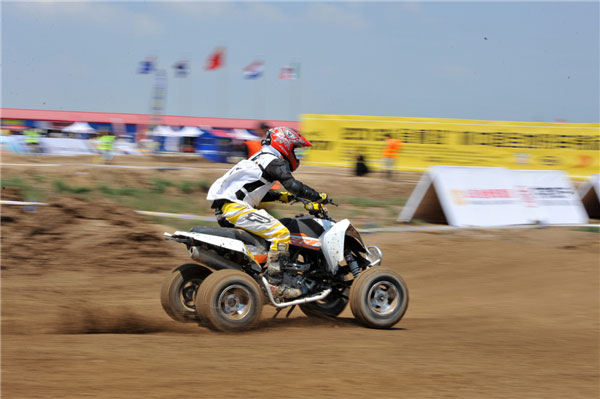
338,139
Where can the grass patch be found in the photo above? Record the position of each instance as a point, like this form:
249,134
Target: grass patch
188,187
146,200
364,202
179,194
397,201
129,191
40,179
29,191
357,201
587,229
160,185
13,182
153,199
62,187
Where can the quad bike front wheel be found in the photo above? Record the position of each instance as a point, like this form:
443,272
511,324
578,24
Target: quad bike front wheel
179,289
378,298
229,300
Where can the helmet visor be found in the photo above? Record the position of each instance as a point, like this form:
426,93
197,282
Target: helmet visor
294,161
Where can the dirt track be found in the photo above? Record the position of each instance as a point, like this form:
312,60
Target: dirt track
506,314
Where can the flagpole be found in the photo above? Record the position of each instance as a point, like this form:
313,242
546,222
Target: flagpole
291,91
226,92
182,73
256,94
220,94
264,103
221,89
291,98
260,97
150,119
148,66
296,64
255,105
188,91
226,83
299,91
181,95
188,86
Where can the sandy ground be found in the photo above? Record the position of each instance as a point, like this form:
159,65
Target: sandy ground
495,314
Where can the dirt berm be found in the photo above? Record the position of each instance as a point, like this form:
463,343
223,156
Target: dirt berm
75,235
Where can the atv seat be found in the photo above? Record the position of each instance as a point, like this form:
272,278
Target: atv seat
236,234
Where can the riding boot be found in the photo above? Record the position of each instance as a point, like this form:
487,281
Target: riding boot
275,262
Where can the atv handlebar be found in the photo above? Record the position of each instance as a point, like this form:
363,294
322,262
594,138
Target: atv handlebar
316,208
320,202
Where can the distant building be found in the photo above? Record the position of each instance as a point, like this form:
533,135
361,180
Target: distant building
14,119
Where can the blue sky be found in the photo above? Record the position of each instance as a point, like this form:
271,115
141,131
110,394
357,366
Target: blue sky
523,61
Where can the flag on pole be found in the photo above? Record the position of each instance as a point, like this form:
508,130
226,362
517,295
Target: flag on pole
147,65
181,68
290,72
254,70
216,59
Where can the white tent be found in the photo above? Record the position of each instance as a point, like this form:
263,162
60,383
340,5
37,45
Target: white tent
164,131
190,131
243,134
171,138
79,127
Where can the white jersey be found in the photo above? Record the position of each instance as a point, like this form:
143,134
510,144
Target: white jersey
244,183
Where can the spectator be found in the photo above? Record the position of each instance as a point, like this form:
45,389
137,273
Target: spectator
254,146
107,140
361,166
390,153
32,139
262,130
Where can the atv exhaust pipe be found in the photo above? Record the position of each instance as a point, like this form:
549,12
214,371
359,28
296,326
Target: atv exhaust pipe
313,298
212,260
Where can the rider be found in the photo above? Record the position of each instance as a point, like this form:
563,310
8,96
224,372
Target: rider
236,195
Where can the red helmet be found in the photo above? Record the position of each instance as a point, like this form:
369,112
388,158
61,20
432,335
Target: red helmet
285,140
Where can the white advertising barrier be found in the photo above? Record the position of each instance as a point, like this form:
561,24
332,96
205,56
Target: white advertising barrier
478,196
491,197
589,192
549,197
14,143
60,146
465,197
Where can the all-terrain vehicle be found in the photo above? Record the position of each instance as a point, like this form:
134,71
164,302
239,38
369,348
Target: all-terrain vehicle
329,263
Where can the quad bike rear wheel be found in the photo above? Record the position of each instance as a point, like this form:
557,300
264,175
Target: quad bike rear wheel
378,298
179,289
229,300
